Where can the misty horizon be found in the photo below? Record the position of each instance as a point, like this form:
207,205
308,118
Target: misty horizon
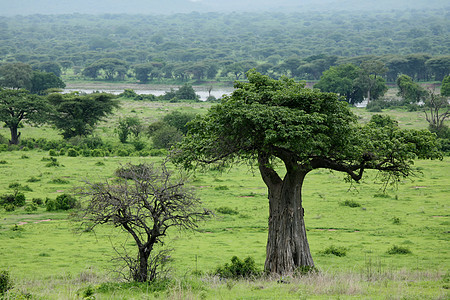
28,7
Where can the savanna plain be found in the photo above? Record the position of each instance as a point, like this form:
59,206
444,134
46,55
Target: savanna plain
368,241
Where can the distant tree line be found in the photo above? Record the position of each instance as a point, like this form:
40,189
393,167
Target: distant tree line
217,45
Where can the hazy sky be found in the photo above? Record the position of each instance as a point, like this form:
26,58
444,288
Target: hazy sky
25,7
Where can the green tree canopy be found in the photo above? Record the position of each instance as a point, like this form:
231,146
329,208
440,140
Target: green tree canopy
271,121
42,81
77,115
19,105
342,80
445,87
16,76
410,91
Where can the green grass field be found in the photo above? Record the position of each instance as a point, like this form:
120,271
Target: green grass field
48,260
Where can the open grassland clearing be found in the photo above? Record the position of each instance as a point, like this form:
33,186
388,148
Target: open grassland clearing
352,229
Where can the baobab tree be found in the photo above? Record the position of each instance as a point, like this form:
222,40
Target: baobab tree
269,121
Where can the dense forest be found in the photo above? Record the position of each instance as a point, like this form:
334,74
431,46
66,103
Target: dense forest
207,46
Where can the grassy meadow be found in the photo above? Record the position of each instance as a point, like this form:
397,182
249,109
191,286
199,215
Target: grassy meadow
47,259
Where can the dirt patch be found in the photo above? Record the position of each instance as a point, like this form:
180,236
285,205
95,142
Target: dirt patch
40,221
419,187
35,222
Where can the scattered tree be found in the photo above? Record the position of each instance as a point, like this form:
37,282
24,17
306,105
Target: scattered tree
145,202
437,110
370,79
16,76
19,105
342,80
410,91
127,126
271,121
179,120
43,81
445,86
77,115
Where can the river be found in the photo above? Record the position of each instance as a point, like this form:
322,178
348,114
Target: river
202,92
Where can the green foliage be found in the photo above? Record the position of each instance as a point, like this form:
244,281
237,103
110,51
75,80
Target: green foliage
17,199
16,76
410,91
53,162
53,152
179,120
305,270
19,187
6,282
77,115
30,207
128,93
37,201
238,268
128,126
383,121
398,250
72,152
342,80
351,203
227,210
445,86
185,92
43,81
165,137
19,105
62,202
333,250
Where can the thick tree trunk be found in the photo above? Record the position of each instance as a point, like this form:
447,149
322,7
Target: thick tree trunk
287,245
14,136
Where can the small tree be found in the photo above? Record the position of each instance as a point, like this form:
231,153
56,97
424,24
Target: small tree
445,87
127,126
410,91
437,109
77,115
19,105
145,202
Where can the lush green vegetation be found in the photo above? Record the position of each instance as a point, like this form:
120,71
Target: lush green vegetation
211,46
46,260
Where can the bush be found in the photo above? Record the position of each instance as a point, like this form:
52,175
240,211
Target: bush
62,202
17,186
350,203
122,152
398,250
30,207
97,153
9,207
37,201
33,179
86,153
338,251
138,144
238,268
53,152
16,199
72,152
5,282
